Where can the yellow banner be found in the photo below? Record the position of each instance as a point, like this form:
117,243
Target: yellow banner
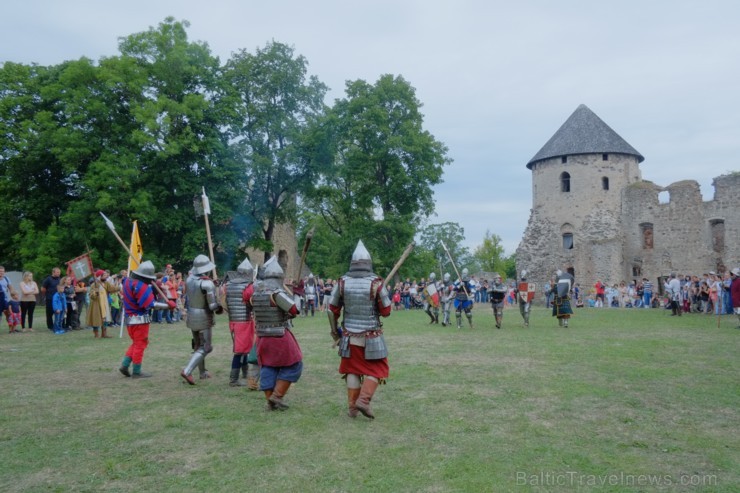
136,248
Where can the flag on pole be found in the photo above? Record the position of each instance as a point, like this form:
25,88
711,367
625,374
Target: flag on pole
80,267
206,204
136,250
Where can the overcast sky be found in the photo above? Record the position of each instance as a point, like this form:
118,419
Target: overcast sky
496,78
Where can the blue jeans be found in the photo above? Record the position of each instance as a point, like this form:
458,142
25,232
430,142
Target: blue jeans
58,321
646,297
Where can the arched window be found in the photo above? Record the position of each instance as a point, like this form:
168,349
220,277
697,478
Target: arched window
604,183
568,241
565,182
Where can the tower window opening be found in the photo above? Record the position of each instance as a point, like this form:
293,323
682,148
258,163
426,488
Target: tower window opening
605,183
568,241
565,182
605,157
718,235
564,159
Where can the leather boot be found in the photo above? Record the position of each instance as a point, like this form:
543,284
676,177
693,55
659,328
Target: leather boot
234,380
105,333
366,394
270,405
95,332
253,376
281,388
352,395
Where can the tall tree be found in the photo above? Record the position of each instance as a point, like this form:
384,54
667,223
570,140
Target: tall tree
272,101
453,236
378,186
178,139
491,258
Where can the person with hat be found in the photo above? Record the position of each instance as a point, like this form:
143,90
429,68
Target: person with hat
362,295
98,313
138,299
202,306
498,295
561,307
278,353
241,326
735,292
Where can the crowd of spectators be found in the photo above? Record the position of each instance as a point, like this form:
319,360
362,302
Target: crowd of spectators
71,304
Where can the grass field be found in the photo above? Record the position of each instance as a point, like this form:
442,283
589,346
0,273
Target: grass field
623,400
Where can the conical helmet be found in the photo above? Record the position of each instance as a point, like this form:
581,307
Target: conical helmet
446,277
361,259
432,276
524,274
145,271
272,275
202,264
246,270
465,276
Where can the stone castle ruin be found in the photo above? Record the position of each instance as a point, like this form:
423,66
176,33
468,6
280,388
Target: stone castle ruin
593,215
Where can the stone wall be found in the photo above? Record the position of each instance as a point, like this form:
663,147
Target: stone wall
611,241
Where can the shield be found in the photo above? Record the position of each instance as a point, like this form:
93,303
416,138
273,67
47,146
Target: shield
431,294
526,291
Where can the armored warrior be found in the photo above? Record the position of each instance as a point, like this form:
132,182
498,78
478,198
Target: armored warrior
525,294
463,302
138,299
311,289
241,326
202,306
364,299
498,294
561,301
278,352
431,299
447,298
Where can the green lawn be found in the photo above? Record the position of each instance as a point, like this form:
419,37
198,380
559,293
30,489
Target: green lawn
627,398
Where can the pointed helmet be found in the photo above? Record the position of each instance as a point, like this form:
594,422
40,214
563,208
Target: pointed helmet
202,265
361,260
272,274
432,276
246,270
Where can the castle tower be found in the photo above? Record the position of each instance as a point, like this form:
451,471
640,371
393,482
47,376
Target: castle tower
577,182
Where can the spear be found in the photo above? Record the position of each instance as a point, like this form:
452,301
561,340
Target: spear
112,228
400,262
306,244
206,212
455,267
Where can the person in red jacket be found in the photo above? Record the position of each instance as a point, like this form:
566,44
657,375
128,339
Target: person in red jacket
138,299
735,292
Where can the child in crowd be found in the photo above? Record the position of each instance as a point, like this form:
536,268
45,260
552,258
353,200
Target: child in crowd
14,312
59,305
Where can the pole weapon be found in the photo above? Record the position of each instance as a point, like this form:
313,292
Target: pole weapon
206,212
306,245
112,228
455,267
400,261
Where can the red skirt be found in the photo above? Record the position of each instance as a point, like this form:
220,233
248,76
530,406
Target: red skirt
243,334
358,365
278,351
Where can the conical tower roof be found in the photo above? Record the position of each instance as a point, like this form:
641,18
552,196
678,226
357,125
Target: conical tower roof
584,133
